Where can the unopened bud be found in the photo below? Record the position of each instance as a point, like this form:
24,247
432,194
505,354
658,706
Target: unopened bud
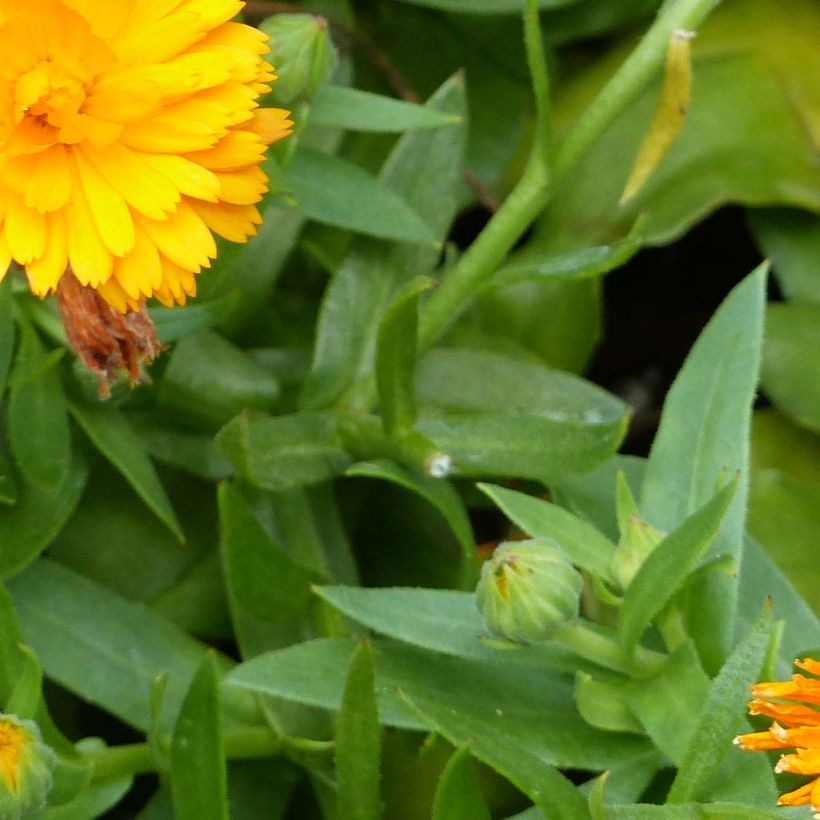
302,54
638,539
26,764
528,590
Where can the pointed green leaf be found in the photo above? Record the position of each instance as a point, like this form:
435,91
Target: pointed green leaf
705,430
665,569
198,776
26,695
111,433
457,796
261,576
209,380
336,192
722,715
425,170
341,107
396,351
286,451
37,417
585,263
30,525
358,741
585,545
124,644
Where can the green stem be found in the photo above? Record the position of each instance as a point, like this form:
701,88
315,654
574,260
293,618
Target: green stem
596,645
631,78
487,252
532,193
240,744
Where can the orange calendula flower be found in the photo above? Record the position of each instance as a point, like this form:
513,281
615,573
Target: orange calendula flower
795,707
130,133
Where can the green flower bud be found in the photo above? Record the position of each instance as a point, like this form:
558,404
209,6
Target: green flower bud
26,764
528,590
302,54
638,539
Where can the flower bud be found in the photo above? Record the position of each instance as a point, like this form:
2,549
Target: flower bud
528,590
26,764
302,54
638,539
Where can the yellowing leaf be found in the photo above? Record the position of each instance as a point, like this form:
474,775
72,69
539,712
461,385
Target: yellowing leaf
669,116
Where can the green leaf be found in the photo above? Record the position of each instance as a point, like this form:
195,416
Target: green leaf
7,331
113,539
555,795
198,777
210,380
9,491
666,702
124,644
501,416
195,453
784,499
284,452
38,428
437,492
440,620
583,543
789,379
358,741
396,351
585,263
704,430
355,110
791,239
603,704
462,696
261,576
93,802
27,693
457,796
665,569
424,169
721,715
175,323
696,811
336,192
114,437
746,50
30,525
487,6
261,788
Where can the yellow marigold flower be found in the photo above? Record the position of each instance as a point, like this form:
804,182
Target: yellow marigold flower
130,133
797,726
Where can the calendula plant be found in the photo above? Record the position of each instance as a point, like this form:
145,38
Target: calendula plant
349,534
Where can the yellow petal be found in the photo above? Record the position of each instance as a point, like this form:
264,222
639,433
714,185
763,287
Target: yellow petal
183,238
25,231
111,215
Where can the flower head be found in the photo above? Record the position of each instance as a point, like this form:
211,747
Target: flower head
130,133
794,706
528,590
26,764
